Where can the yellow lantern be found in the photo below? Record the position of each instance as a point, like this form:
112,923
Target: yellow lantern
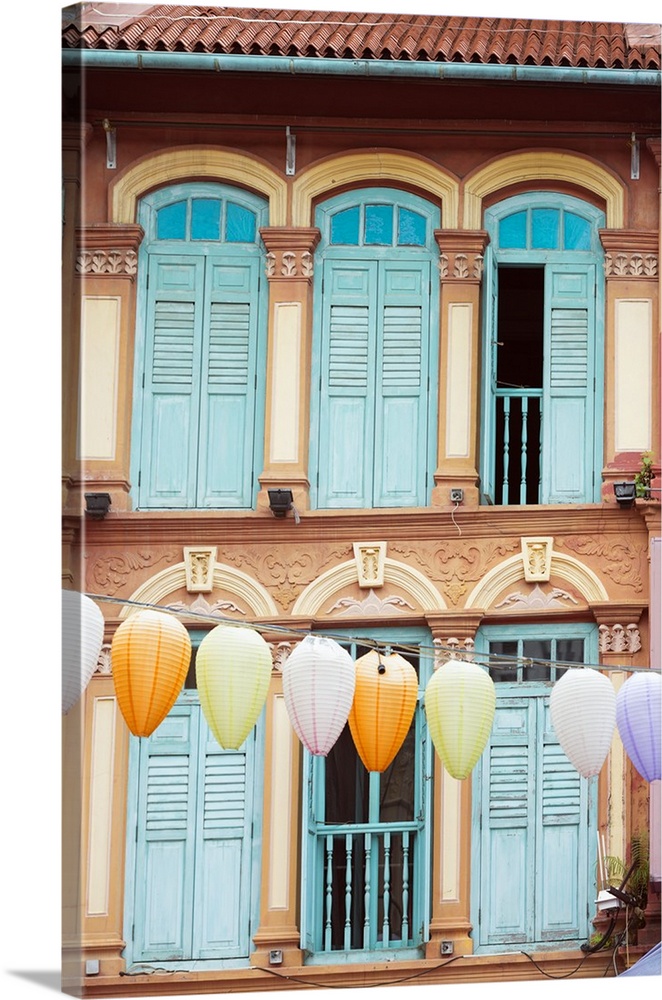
384,702
460,701
233,670
150,653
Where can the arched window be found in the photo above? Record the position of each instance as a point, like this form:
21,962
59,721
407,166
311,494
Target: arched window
543,350
200,349
375,347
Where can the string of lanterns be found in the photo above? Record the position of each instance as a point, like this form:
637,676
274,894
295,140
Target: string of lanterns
324,689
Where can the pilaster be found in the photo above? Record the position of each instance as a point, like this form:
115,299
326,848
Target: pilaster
461,255
290,265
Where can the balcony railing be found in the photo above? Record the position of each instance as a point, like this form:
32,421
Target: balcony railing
518,445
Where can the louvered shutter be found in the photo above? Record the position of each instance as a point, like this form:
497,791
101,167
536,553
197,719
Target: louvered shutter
171,382
221,916
568,404
347,384
165,846
401,432
227,409
508,826
561,839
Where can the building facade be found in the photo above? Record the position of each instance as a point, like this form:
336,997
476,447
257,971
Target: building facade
406,268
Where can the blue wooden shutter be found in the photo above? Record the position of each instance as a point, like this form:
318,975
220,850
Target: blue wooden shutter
401,425
227,412
568,404
221,916
507,833
165,846
172,382
347,384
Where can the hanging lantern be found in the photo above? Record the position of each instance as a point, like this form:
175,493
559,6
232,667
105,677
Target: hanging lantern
583,710
460,700
639,719
151,653
383,707
319,679
233,669
82,638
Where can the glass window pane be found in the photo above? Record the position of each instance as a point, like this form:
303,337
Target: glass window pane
501,669
345,227
537,649
544,229
240,224
577,235
512,231
411,228
346,789
570,650
379,225
396,786
171,222
205,219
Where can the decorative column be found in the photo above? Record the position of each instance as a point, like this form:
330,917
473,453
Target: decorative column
277,940
100,405
460,273
290,258
450,920
632,377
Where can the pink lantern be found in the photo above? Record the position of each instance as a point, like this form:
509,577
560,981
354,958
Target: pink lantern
319,679
639,720
82,638
583,710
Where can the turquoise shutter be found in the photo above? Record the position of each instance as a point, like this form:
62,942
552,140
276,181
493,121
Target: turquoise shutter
508,826
227,411
171,382
347,384
221,916
562,840
568,404
166,839
401,431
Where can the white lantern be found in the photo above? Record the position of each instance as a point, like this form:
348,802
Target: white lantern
82,638
639,720
583,710
319,679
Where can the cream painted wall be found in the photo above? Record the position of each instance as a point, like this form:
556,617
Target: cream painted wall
285,378
101,796
458,387
633,374
100,342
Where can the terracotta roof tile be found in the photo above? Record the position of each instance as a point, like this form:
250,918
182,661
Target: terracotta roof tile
332,34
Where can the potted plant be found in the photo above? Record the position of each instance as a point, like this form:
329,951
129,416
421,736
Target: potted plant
645,476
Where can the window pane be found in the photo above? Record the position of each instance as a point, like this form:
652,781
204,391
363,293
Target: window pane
411,228
240,224
396,787
537,649
502,670
345,227
347,783
205,219
379,225
545,229
512,231
577,234
171,222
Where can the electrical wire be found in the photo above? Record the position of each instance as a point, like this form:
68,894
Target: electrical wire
421,650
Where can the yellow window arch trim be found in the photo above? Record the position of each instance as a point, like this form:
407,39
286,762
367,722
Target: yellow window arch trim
213,163
541,165
369,167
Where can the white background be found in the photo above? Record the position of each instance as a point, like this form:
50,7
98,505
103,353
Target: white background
30,211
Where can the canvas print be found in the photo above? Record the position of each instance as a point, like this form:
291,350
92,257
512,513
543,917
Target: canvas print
362,558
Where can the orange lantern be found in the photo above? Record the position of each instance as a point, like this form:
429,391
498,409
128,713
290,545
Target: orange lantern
150,653
384,702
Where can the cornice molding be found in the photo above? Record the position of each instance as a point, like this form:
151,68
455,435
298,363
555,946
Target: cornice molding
630,253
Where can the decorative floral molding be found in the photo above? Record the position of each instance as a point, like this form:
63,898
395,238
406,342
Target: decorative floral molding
200,606
536,599
616,639
461,254
283,574
111,573
459,649
107,262
371,606
104,665
621,561
630,253
200,562
461,265
457,565
280,651
537,559
290,264
290,252
370,558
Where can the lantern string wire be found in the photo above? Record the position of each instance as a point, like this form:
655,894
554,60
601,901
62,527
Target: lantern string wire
491,661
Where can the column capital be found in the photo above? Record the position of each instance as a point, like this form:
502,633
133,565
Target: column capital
630,253
290,252
108,250
461,253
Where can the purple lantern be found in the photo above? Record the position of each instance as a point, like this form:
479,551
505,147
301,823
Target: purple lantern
639,721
